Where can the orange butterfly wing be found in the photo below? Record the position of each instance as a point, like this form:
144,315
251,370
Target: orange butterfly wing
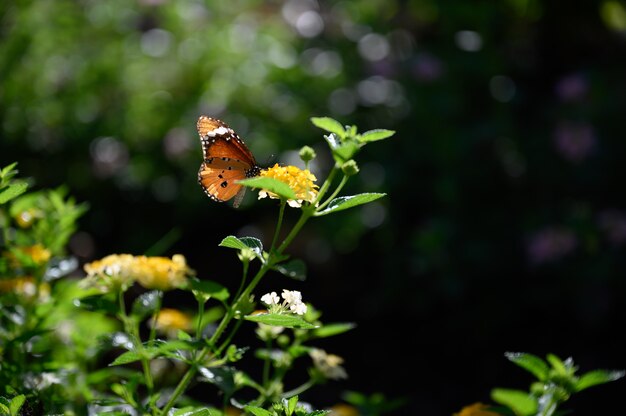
226,160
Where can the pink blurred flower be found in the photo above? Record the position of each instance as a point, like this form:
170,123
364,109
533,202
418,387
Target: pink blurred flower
574,141
427,67
572,87
550,244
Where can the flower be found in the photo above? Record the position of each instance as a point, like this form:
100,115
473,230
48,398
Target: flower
169,321
293,299
343,409
36,255
110,273
476,409
300,181
121,270
270,299
26,218
26,286
292,296
550,244
328,364
160,272
267,332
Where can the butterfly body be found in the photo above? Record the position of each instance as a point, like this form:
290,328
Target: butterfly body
227,159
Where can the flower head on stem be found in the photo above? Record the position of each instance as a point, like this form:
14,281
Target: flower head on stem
302,182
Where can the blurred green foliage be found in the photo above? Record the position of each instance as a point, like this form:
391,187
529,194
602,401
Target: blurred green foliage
504,224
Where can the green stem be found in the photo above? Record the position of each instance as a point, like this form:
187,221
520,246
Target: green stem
326,184
279,224
298,390
155,316
132,328
267,362
200,315
229,338
306,214
344,180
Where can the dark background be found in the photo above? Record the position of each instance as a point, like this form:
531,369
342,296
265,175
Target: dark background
504,225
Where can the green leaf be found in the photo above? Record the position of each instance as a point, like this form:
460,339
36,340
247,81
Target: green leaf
183,336
296,269
345,151
12,191
280,188
222,377
345,202
5,405
146,304
127,357
16,404
530,363
258,411
191,411
519,401
593,378
291,405
4,173
330,125
208,288
375,135
333,329
557,364
287,321
244,243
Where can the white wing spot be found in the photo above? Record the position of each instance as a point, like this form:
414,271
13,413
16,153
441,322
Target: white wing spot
218,131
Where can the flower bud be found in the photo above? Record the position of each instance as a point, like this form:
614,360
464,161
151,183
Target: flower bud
307,154
350,168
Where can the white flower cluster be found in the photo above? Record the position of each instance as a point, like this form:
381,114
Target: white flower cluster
292,300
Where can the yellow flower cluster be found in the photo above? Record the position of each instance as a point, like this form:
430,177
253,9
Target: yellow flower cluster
328,364
37,253
170,321
476,409
25,286
300,181
121,270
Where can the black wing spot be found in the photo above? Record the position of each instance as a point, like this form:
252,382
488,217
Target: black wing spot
224,184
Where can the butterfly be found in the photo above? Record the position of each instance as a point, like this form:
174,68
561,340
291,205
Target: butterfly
227,159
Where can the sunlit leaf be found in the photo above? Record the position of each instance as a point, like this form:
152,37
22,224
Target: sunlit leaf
244,243
519,401
258,411
345,151
345,202
287,321
16,404
127,357
593,378
329,124
557,364
330,330
375,135
280,188
531,363
292,402
12,191
209,289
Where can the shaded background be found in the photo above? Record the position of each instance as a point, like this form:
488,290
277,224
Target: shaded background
505,224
